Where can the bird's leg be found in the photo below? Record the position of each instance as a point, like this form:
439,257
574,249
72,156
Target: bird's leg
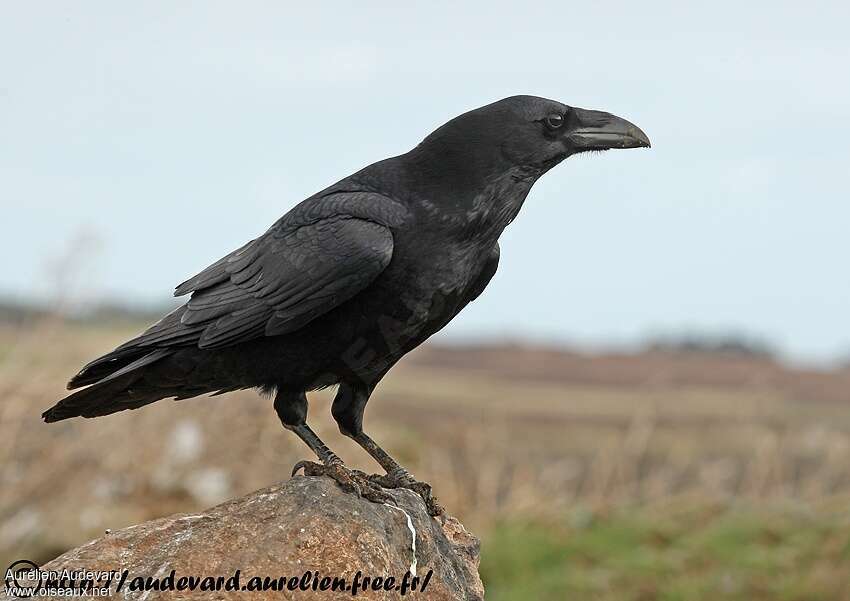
396,476
292,410
347,410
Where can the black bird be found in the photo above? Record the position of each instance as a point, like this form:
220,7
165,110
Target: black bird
350,280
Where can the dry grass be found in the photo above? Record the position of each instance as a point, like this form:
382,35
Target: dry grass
502,434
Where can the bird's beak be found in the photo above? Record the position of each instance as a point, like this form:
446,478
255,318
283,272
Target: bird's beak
597,130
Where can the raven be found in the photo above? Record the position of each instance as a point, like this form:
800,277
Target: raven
350,280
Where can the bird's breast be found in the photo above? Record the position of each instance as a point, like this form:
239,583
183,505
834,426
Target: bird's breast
430,287
420,292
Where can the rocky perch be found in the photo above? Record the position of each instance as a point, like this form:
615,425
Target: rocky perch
275,536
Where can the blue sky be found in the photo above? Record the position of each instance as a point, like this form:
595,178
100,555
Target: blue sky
170,133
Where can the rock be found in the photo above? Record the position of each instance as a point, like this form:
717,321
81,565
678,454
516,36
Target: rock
304,524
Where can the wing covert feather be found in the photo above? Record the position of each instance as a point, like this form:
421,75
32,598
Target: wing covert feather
281,283
276,283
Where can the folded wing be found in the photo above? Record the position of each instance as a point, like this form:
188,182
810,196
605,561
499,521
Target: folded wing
275,284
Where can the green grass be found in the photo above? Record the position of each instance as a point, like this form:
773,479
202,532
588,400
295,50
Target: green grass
745,555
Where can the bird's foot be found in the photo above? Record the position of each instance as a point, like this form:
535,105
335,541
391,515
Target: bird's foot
401,478
351,481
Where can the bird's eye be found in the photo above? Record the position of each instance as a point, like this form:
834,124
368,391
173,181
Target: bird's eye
555,120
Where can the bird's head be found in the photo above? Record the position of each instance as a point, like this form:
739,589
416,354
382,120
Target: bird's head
531,133
477,169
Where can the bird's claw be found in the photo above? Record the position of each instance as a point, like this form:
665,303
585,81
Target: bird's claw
351,481
301,465
401,478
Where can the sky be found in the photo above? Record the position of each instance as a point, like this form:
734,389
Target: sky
142,141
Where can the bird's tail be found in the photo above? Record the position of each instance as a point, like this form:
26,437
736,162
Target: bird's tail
104,398
116,382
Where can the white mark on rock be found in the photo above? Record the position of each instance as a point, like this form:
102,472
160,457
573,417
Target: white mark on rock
199,516
156,575
413,537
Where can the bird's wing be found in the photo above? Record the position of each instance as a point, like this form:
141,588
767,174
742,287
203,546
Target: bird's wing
277,283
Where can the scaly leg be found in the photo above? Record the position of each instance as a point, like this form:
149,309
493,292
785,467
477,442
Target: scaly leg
292,409
347,410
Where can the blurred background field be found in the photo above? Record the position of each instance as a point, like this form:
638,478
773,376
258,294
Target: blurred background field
681,471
